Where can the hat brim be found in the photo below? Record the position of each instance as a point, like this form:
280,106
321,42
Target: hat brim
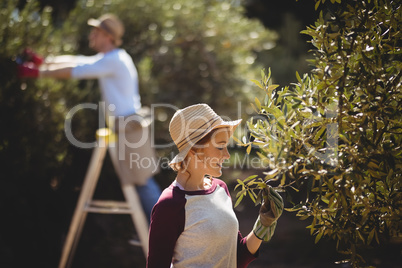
94,22
182,155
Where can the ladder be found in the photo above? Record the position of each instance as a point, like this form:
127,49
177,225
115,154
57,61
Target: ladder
132,204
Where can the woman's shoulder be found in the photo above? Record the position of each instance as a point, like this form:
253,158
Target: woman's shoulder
169,211
171,197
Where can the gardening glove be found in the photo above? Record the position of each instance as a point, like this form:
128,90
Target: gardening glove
271,209
30,56
27,70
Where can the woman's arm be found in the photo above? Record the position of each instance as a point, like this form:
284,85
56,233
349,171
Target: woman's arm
244,253
253,243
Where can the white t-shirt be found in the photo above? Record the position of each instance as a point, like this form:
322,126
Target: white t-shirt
118,80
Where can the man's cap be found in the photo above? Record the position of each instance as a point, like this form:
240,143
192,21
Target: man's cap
111,25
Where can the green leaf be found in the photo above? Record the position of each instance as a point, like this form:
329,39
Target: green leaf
294,188
257,83
285,110
239,183
305,217
242,192
271,87
257,102
283,180
254,108
269,75
295,124
249,178
319,133
252,197
239,200
317,4
325,200
376,237
295,208
360,236
318,237
298,77
371,236
271,174
236,140
262,74
372,164
249,149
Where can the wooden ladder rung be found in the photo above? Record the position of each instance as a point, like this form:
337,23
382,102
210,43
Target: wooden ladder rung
109,207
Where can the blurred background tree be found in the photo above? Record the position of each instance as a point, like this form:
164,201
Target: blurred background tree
32,114
333,138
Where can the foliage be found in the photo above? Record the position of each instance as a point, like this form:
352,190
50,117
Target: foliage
333,139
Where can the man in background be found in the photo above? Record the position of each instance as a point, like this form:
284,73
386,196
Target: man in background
118,81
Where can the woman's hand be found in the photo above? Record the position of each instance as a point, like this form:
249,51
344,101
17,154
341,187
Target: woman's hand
271,209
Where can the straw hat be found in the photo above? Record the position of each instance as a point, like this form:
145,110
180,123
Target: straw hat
111,25
191,124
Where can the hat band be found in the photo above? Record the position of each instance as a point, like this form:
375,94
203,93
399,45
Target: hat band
107,29
188,139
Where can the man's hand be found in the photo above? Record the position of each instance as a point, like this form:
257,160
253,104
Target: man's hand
28,55
28,70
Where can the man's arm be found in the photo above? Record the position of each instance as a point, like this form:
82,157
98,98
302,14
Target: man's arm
61,66
60,73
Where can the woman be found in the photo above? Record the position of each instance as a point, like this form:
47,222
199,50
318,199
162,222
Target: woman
193,224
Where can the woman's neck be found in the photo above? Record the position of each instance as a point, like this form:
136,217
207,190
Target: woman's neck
191,182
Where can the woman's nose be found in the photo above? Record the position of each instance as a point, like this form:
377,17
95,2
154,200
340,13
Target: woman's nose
226,154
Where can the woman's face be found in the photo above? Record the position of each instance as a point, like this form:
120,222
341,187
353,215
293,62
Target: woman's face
211,155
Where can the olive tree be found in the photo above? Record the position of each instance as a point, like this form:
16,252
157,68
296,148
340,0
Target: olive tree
332,140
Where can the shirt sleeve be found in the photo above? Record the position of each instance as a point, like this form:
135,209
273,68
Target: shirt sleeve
73,59
244,257
167,223
101,67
